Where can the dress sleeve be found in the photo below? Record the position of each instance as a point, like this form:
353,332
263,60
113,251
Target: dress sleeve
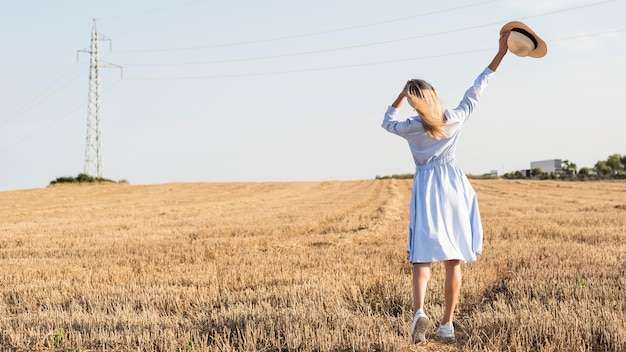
392,125
470,99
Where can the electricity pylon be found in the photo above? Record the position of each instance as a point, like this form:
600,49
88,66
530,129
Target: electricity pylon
93,145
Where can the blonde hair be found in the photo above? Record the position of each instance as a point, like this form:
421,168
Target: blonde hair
423,98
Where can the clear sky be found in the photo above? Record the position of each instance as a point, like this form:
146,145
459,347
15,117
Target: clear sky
278,90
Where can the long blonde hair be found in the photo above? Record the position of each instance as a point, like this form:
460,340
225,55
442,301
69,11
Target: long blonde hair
423,98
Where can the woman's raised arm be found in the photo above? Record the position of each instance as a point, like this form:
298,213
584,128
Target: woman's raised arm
502,50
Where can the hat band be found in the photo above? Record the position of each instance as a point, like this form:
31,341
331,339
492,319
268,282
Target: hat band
526,33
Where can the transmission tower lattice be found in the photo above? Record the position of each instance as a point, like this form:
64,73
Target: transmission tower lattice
93,145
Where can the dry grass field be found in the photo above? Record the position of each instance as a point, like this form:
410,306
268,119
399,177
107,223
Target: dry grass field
311,266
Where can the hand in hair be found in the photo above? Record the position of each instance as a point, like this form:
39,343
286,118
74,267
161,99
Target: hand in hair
398,102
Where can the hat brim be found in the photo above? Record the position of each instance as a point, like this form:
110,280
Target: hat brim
541,50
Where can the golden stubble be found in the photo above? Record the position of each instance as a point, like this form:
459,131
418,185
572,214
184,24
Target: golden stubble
303,266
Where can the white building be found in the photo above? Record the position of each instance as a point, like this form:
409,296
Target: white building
551,166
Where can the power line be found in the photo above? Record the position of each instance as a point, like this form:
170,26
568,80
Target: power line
44,58
303,53
62,117
43,128
462,29
27,107
358,65
311,34
312,69
589,35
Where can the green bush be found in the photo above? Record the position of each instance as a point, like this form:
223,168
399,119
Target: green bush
83,178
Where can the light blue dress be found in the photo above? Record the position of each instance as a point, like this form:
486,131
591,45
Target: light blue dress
444,217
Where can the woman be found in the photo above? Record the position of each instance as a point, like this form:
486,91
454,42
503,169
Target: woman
444,218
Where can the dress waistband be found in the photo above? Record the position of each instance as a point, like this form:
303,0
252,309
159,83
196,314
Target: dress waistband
435,163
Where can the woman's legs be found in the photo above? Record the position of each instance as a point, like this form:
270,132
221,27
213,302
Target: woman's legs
421,275
452,288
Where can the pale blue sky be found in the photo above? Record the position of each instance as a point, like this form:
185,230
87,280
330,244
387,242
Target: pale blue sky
283,90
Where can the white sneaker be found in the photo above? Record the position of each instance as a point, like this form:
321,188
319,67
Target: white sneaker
419,326
446,331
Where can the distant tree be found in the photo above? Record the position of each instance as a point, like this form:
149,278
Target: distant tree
513,175
568,167
536,172
615,162
602,168
584,171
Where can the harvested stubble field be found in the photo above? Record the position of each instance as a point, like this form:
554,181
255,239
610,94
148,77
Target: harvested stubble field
311,266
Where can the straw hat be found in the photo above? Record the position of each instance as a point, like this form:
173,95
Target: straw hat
523,41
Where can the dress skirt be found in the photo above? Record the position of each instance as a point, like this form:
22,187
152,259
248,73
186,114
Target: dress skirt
444,217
